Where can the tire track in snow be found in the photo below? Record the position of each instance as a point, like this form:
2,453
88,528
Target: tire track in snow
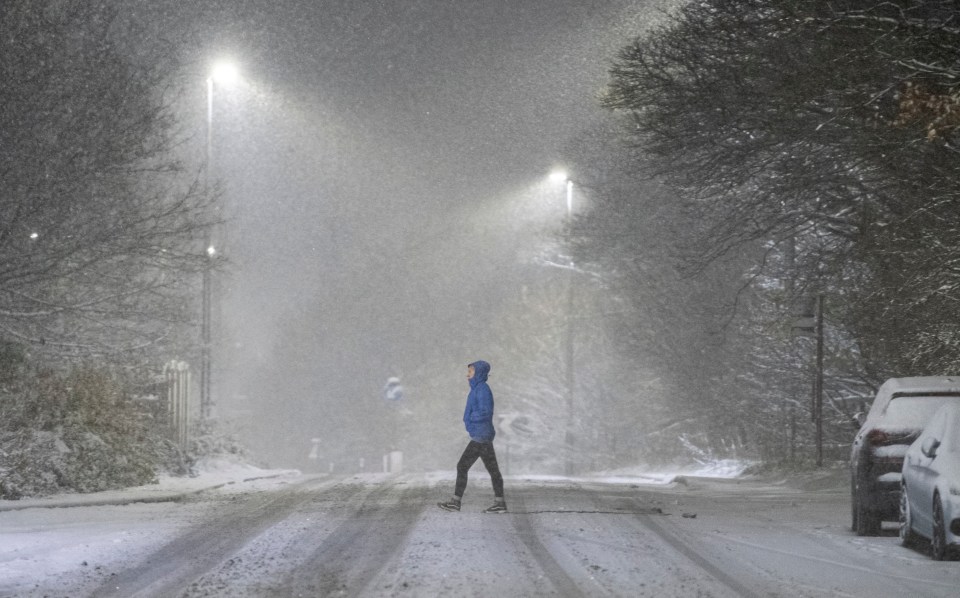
172,568
351,556
838,558
830,553
552,570
828,562
649,522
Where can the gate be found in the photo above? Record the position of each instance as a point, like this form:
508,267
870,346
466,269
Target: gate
177,374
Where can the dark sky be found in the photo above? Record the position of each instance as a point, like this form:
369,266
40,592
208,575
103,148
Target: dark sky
466,93
378,162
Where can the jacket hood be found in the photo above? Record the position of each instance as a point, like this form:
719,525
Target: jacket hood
481,369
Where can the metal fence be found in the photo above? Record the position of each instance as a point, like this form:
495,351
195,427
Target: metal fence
177,375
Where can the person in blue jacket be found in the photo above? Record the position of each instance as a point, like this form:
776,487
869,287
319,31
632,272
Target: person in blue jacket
478,419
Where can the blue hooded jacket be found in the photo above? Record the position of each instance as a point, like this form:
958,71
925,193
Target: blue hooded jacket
478,416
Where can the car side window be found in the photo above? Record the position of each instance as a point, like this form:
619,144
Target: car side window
935,428
953,431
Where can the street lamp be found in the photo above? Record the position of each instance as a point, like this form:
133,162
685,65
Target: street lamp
560,176
224,74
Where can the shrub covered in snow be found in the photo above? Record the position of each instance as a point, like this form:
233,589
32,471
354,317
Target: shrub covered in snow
77,431
210,438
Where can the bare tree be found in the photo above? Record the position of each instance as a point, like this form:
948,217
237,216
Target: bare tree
775,149
825,127
100,234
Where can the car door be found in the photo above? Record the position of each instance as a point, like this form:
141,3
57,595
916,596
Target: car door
913,477
947,463
925,475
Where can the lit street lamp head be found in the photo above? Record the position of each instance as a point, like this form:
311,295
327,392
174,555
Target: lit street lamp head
558,176
224,73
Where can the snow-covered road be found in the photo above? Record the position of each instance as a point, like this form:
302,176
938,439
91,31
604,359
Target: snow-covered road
379,535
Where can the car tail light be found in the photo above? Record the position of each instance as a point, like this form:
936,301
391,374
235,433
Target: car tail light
877,437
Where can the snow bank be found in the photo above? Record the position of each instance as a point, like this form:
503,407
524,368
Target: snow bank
210,473
640,474
637,474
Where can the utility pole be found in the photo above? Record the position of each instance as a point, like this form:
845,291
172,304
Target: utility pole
808,323
818,386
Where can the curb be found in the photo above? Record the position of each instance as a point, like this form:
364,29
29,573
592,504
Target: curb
92,500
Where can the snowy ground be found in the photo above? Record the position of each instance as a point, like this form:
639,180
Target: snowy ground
625,533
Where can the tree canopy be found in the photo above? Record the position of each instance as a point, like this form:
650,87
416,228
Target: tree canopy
100,234
804,148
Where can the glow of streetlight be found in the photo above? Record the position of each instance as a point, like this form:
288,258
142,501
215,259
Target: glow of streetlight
561,177
225,73
211,251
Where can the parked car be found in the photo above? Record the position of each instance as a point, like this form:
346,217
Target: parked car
897,416
930,489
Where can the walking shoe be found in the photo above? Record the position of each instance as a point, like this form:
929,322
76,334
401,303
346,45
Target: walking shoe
498,507
450,505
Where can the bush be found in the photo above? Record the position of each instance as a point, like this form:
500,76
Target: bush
75,432
213,439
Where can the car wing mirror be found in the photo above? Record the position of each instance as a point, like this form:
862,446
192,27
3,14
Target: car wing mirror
930,446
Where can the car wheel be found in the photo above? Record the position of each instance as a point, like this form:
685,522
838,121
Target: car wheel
866,522
908,537
938,543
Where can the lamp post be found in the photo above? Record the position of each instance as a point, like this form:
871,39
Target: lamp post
206,333
560,176
222,73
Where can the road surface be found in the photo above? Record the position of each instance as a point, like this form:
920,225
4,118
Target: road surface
379,535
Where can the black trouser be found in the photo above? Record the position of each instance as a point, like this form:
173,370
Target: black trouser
485,452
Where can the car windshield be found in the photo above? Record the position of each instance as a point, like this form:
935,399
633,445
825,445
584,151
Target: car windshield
913,412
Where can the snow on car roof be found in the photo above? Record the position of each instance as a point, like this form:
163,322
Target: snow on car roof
917,385
920,384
